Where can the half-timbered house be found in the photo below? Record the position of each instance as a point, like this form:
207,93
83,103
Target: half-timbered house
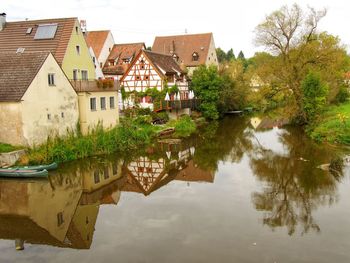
154,70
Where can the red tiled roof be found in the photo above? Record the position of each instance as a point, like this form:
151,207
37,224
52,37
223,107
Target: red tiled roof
96,40
14,36
184,46
120,52
17,71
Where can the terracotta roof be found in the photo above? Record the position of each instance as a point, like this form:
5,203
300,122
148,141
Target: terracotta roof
17,72
184,46
14,36
164,63
192,173
120,52
96,40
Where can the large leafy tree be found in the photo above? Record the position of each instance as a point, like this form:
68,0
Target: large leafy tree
290,34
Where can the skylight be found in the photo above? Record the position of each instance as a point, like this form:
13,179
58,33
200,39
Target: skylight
46,31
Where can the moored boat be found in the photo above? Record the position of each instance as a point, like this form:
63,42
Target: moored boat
48,167
23,173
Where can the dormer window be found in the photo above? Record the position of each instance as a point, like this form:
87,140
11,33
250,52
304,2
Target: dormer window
176,57
195,56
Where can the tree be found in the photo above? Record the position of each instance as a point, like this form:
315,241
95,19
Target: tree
314,96
290,34
206,83
230,56
221,55
241,56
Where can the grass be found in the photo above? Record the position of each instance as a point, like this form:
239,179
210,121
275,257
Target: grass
333,125
5,148
184,126
131,134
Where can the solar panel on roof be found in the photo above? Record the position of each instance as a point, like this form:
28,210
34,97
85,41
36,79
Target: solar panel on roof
46,31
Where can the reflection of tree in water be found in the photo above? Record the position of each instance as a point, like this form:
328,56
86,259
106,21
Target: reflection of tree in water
293,187
221,141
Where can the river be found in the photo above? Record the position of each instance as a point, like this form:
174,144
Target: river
241,190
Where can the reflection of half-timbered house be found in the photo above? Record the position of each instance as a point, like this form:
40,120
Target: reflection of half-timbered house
154,70
144,174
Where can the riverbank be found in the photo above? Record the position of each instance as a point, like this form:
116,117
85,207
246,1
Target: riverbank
130,134
333,125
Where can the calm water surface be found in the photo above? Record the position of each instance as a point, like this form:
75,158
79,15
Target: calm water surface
234,193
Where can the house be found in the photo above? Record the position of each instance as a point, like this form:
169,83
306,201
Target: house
154,70
62,37
36,98
100,45
97,103
190,50
120,59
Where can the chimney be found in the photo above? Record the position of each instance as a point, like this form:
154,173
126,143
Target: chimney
83,26
2,21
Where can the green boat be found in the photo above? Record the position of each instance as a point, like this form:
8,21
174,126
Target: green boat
48,167
20,173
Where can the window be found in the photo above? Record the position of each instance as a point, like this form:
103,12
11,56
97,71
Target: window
93,59
106,173
62,115
93,104
51,79
115,168
84,75
46,31
60,220
77,48
111,102
49,116
29,30
195,56
96,176
75,74
76,30
101,65
103,103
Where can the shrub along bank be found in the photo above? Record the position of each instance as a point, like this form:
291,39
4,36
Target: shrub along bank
333,125
130,134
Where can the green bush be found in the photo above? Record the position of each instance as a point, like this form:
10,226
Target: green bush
314,96
342,95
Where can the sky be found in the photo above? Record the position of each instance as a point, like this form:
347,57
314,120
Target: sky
231,22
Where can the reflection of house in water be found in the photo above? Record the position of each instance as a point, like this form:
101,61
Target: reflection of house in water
267,123
145,175
61,211
36,212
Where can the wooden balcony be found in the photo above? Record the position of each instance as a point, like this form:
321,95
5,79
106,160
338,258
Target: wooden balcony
95,85
175,105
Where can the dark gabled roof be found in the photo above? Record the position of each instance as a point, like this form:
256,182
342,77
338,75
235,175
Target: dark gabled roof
184,46
96,40
164,63
17,71
14,36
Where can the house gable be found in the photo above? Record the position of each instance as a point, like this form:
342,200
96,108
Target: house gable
48,109
142,74
77,56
